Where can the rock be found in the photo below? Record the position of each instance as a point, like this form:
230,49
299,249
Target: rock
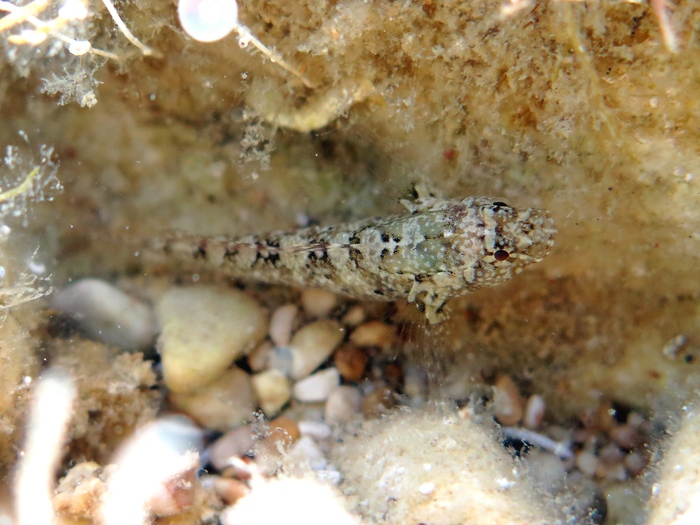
285,499
281,323
284,430
306,450
229,490
534,411
107,314
312,345
259,358
350,362
374,333
318,303
234,443
315,429
272,390
203,330
221,405
343,404
317,387
507,403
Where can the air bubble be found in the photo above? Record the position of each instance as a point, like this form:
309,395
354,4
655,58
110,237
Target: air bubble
208,20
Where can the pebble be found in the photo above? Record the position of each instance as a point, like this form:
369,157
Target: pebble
534,412
281,323
229,490
635,462
307,450
587,462
350,362
354,316
626,436
318,303
272,390
221,405
312,345
331,476
343,404
507,403
427,488
275,501
377,403
283,430
234,443
374,333
203,330
317,387
107,314
315,429
259,358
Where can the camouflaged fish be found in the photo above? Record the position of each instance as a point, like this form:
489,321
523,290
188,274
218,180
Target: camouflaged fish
441,249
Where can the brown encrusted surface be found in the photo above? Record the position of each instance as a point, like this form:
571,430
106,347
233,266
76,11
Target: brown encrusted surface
116,395
18,346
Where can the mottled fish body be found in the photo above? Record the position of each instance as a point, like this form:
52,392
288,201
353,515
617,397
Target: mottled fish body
440,249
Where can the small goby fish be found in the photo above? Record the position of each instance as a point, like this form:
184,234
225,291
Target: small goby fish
441,249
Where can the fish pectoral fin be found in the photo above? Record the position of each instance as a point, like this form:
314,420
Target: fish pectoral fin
429,299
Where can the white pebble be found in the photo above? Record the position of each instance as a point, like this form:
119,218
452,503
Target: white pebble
315,429
203,330
317,387
587,462
427,488
281,323
307,450
272,502
343,404
208,20
312,345
318,303
273,391
107,314
534,412
329,476
221,405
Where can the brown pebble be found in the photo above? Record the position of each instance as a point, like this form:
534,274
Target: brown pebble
393,375
635,462
374,333
377,403
350,362
283,430
626,436
507,403
230,490
80,491
610,454
603,419
176,493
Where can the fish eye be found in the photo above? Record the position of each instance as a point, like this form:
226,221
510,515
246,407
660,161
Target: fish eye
499,203
501,255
